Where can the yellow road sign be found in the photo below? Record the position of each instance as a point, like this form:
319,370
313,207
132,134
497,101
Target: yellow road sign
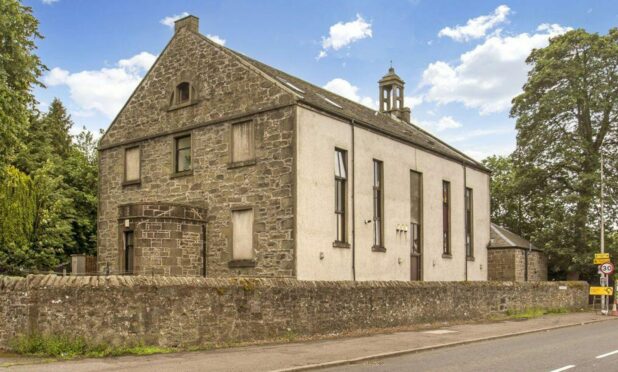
601,255
601,291
600,261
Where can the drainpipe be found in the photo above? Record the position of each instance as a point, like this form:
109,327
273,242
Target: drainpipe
463,164
204,250
526,263
353,207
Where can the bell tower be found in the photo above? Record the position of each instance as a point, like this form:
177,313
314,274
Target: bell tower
391,95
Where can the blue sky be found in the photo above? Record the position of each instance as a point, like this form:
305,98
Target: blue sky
462,60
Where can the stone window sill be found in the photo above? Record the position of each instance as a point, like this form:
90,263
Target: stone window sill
470,258
240,164
338,244
447,255
182,174
378,248
132,183
181,105
241,263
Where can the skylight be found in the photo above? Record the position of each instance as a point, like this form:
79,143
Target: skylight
290,85
330,101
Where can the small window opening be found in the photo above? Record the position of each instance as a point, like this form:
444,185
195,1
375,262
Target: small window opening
183,93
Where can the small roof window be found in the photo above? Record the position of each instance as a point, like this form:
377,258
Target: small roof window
291,85
330,101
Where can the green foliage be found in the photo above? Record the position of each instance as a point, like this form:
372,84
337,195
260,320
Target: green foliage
20,69
567,116
67,347
17,215
48,179
535,312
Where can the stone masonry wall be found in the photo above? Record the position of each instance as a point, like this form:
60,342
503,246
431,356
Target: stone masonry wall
168,238
501,264
226,89
170,311
510,265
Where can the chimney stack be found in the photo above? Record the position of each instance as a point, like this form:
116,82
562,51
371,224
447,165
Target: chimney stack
192,23
391,96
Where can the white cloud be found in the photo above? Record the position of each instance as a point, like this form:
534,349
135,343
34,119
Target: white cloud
477,27
49,2
490,75
343,34
105,90
444,123
169,20
345,89
216,38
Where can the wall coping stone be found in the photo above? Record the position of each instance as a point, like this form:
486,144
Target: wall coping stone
8,283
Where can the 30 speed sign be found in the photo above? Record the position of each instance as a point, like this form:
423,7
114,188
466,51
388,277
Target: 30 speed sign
606,268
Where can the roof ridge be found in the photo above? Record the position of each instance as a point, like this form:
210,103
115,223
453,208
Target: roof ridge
262,69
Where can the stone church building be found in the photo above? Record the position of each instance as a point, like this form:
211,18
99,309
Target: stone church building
219,165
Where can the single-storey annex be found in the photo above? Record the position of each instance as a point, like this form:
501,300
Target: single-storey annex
219,165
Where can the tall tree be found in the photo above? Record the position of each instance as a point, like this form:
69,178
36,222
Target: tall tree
20,69
566,117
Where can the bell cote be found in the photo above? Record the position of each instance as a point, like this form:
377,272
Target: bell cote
391,96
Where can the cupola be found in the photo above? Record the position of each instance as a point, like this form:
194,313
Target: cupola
391,96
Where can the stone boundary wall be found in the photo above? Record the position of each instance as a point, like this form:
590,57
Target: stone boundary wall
177,311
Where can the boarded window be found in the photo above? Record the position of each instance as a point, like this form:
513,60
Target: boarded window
182,158
446,217
132,164
242,235
469,223
340,194
243,148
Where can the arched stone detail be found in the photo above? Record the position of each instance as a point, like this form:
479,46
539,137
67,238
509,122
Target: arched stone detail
168,238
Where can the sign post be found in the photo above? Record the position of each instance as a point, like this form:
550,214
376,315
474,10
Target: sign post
605,268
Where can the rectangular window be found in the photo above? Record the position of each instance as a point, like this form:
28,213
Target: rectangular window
415,211
129,252
242,234
378,204
182,154
446,217
243,140
132,164
469,223
341,176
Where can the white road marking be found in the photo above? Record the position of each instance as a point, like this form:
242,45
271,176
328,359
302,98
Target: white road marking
563,368
606,354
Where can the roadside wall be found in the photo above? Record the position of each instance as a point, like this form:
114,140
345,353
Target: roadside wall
177,311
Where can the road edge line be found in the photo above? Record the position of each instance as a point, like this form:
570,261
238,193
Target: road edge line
390,354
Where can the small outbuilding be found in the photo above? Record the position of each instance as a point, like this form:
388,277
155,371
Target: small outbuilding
513,258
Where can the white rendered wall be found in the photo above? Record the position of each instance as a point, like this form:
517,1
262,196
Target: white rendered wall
317,137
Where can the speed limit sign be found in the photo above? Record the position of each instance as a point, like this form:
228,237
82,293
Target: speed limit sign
606,268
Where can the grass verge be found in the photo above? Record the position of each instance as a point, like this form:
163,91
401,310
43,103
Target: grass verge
68,347
534,312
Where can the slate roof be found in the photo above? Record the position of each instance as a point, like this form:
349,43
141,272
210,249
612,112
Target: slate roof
503,238
337,105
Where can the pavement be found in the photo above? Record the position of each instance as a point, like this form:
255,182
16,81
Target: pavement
373,349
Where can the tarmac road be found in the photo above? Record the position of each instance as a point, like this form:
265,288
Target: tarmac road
591,347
